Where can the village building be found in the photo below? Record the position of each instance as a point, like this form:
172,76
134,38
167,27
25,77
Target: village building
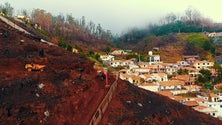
205,109
143,64
191,103
140,70
124,63
192,71
171,85
118,52
185,78
155,77
134,79
171,68
218,86
107,57
192,88
153,58
203,64
157,68
74,50
147,78
149,86
182,64
124,71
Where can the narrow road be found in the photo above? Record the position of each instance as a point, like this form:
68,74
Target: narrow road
97,117
10,23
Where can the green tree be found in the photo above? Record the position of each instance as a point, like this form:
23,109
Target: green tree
7,9
91,53
108,50
69,48
97,56
62,44
205,78
182,71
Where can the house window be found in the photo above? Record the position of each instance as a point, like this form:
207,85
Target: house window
209,105
213,114
203,63
220,106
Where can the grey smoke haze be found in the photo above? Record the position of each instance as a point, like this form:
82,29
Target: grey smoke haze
119,15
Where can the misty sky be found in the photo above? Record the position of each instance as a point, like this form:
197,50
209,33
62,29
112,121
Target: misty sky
120,15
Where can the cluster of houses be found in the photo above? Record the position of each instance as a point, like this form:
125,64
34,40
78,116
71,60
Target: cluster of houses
153,76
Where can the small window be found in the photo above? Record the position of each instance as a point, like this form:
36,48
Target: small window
209,105
220,106
213,114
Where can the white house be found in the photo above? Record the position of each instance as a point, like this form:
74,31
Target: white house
134,79
205,109
149,86
157,77
124,71
107,57
217,106
170,85
182,63
124,63
157,67
203,64
131,66
74,50
147,77
171,68
118,52
214,98
143,65
192,88
153,58
213,34
160,77
140,70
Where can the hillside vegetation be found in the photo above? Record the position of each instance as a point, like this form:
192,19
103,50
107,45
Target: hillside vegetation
173,46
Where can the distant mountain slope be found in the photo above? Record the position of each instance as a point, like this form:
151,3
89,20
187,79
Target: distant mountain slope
134,106
173,46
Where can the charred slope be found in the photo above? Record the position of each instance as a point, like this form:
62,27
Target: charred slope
132,106
66,92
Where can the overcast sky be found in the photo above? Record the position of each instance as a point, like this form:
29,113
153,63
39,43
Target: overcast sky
119,15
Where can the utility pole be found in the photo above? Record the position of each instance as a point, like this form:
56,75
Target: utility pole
106,73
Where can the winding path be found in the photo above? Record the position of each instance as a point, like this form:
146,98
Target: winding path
97,117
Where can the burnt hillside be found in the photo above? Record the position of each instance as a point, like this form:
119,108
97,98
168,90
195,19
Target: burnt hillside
66,92
134,106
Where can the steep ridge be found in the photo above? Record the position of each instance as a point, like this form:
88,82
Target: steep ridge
134,106
66,92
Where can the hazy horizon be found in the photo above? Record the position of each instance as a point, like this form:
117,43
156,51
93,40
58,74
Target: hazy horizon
120,15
